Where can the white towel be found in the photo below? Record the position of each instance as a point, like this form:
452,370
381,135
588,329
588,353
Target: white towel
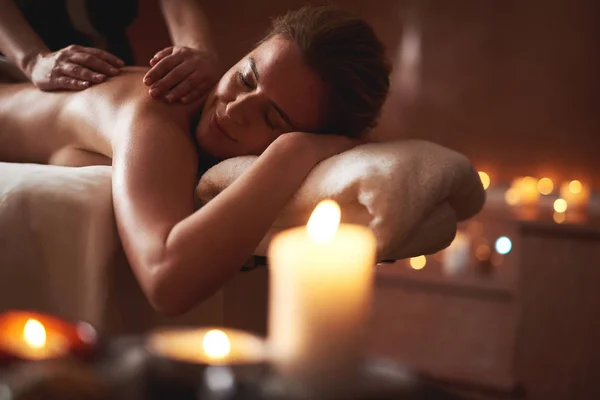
410,193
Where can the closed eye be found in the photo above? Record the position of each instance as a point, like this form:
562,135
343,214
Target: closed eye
244,81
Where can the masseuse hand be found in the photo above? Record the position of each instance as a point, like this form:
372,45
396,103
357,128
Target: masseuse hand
181,74
73,68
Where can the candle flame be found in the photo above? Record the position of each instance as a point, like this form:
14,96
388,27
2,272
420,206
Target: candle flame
324,221
216,344
34,333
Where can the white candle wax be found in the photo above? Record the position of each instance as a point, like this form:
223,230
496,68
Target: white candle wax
321,292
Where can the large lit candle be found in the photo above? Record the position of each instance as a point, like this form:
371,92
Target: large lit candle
321,282
35,336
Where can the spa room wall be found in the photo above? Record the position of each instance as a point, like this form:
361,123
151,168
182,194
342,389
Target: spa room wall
512,84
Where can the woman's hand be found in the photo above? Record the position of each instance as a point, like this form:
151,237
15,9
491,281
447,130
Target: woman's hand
72,68
181,74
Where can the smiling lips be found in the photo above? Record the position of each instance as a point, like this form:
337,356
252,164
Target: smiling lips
219,128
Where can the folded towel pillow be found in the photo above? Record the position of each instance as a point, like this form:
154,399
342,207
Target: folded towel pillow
410,193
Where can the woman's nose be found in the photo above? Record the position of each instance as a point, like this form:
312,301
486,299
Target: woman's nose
240,109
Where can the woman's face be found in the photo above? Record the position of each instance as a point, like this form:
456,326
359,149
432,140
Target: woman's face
269,92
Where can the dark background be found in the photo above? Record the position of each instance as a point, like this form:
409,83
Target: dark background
512,84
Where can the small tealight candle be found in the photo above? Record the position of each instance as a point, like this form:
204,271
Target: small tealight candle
35,336
185,360
208,346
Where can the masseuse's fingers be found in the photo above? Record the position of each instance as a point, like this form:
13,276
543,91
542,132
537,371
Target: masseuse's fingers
181,73
73,67
65,82
162,68
179,82
160,55
195,94
111,59
93,63
196,91
78,72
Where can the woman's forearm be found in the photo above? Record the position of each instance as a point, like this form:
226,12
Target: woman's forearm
187,24
207,248
18,41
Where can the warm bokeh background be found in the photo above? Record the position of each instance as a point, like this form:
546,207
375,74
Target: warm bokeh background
513,84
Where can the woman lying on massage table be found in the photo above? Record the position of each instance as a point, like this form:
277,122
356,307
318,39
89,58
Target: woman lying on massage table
319,70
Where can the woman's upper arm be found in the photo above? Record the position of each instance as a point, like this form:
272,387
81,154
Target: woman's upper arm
154,175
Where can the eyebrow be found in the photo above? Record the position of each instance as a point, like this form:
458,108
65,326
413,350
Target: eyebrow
282,113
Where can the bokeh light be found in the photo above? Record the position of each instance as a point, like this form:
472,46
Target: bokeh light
418,262
512,196
485,179
575,186
560,205
482,253
503,245
559,217
545,186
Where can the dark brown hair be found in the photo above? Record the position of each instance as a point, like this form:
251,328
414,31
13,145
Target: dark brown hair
347,55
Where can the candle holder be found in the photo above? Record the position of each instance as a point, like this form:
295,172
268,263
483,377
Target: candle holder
32,336
203,363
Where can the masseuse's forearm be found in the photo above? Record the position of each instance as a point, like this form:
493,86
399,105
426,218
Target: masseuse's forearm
18,41
209,247
187,24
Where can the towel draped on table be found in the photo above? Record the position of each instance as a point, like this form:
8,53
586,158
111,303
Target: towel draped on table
410,193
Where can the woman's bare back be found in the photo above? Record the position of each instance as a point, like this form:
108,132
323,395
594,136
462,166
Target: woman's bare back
35,126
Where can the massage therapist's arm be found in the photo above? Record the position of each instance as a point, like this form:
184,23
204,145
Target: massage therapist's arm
180,256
